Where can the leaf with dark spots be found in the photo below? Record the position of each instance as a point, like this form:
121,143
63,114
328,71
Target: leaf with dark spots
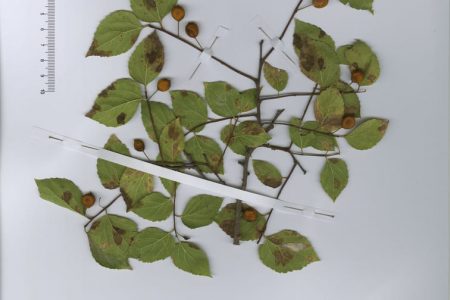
329,109
147,60
172,141
116,34
110,240
287,251
62,192
134,186
267,173
162,115
277,78
116,104
206,152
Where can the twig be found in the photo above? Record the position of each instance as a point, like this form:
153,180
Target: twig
174,35
219,120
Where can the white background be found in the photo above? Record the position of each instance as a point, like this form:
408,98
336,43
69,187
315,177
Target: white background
390,240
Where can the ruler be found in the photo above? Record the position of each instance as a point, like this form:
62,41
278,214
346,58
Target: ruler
49,44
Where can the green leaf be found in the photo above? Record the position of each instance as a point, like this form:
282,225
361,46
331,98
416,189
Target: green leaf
116,104
317,53
162,116
226,101
170,186
115,34
310,135
352,105
135,185
190,258
201,211
152,244
152,10
334,177
147,61
329,109
367,134
109,239
267,173
359,56
153,207
172,141
108,172
287,251
248,134
205,150
359,4
191,108
250,230
277,78
62,192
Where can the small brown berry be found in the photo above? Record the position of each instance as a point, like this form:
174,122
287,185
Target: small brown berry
139,145
163,85
178,13
88,200
250,215
192,29
348,122
320,3
358,76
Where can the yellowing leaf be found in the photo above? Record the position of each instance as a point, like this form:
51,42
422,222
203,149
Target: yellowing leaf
287,251
329,109
135,185
147,60
116,34
367,134
267,173
62,192
334,177
277,78
117,104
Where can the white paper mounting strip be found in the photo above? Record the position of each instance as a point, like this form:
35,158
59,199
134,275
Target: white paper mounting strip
183,178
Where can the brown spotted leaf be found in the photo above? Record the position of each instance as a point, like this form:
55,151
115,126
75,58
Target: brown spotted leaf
250,229
117,103
352,105
287,251
134,186
334,177
108,172
161,114
248,134
172,141
367,134
147,60
317,54
110,238
267,173
116,34
62,192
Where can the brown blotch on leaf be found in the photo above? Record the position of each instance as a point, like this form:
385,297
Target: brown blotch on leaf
383,127
282,257
150,4
93,111
121,118
105,92
321,63
67,196
93,51
174,134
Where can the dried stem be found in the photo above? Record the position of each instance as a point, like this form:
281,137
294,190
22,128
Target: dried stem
174,35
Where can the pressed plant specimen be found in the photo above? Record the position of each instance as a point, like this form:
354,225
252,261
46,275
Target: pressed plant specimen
176,130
